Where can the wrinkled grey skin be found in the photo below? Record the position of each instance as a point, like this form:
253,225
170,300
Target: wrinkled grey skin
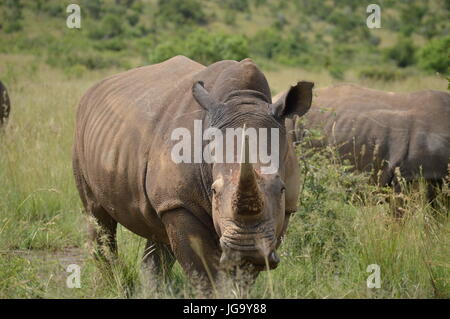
207,216
381,131
5,105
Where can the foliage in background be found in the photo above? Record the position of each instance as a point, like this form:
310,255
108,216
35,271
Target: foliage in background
181,12
403,52
11,13
314,35
204,47
435,56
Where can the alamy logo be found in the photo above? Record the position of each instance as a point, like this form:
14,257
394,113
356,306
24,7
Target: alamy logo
374,279
374,19
74,19
226,148
73,280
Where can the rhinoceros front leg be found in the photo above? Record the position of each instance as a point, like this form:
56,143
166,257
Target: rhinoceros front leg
158,260
194,245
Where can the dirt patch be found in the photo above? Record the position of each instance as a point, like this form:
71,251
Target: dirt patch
64,257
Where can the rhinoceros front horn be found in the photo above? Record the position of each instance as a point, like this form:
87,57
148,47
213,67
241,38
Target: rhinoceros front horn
248,197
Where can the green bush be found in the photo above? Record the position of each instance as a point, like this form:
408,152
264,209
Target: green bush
35,44
114,44
181,12
343,20
133,18
93,7
11,15
238,5
12,26
203,47
229,17
166,50
403,53
110,26
69,53
290,49
411,16
266,43
54,9
435,56
336,71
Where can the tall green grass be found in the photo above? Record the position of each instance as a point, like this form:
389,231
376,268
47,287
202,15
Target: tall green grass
342,226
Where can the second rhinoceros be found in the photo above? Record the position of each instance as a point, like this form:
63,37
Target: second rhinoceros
202,214
390,134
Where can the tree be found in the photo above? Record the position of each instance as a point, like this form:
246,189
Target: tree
435,56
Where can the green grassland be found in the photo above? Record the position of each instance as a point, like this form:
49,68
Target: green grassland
343,224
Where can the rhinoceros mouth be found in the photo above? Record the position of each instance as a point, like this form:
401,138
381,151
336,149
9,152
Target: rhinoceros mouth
256,237
248,245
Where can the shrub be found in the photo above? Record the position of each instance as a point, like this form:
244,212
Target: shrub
165,51
230,17
133,18
288,49
411,16
69,53
403,53
12,26
238,5
110,26
181,12
11,15
336,71
266,43
343,21
435,56
203,47
35,44
93,7
114,44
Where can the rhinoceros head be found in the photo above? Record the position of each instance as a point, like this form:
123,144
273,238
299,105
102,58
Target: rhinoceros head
248,203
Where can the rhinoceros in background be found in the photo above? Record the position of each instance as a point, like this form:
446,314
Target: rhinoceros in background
5,105
204,215
380,131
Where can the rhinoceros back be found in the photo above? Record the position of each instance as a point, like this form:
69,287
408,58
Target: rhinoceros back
119,121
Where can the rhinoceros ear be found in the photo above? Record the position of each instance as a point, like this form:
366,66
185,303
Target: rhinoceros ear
296,101
202,96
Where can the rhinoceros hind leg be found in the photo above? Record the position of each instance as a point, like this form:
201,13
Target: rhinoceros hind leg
101,226
102,233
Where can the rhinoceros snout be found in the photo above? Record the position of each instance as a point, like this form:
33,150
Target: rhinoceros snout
254,257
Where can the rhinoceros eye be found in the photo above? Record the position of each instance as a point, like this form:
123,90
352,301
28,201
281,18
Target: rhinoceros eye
283,190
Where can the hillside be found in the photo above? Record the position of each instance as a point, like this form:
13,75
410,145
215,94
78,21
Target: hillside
317,36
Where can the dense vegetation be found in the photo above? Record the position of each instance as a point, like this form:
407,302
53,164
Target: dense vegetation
329,34
343,224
